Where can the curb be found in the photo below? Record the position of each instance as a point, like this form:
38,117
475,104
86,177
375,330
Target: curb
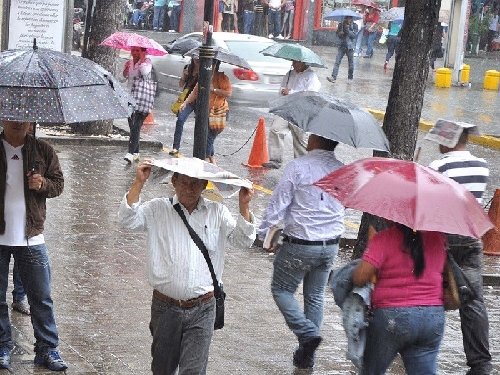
98,141
482,140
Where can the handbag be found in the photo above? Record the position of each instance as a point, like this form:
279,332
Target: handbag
220,296
457,290
175,107
217,118
143,90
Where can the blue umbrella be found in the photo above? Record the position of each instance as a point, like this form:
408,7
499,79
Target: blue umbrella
339,14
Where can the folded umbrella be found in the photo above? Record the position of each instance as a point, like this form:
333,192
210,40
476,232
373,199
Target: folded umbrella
125,41
408,193
295,52
332,118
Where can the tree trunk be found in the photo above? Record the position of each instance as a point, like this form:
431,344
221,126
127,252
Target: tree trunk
106,19
406,97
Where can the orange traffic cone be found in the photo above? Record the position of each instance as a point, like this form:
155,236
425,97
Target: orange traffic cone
258,154
150,119
491,239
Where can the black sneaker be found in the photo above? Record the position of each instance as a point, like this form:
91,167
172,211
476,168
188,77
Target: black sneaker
272,164
4,358
51,359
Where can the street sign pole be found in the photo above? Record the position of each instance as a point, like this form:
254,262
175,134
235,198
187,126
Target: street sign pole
204,82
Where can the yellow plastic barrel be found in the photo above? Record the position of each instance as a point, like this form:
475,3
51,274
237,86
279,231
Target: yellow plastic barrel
465,74
491,78
443,77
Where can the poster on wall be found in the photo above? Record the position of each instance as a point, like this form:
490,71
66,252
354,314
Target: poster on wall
40,19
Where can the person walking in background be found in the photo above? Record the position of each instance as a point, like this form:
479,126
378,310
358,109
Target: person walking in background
188,81
393,40
159,14
228,15
30,173
175,15
137,66
248,16
288,16
347,33
407,301
274,17
313,223
359,37
472,173
492,30
220,90
370,20
300,78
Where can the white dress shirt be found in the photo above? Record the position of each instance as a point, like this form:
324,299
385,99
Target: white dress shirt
307,211
175,265
303,81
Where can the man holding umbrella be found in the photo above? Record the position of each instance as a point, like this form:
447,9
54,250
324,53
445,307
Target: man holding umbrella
472,173
347,33
29,174
313,224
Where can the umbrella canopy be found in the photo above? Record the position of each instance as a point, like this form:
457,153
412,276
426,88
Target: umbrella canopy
396,13
366,3
125,41
408,193
295,52
182,46
332,118
339,14
41,85
223,55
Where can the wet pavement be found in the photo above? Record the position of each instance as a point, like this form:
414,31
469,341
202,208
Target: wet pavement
100,292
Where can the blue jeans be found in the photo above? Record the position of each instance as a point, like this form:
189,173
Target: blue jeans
274,22
350,59
18,293
179,124
468,253
174,18
136,16
414,332
359,40
34,268
248,18
308,264
181,337
370,38
210,143
158,17
135,124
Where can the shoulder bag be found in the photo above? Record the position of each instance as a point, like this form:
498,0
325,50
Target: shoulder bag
143,91
175,107
457,290
220,296
217,118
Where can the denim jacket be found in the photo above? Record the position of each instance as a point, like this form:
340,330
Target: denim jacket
46,163
348,38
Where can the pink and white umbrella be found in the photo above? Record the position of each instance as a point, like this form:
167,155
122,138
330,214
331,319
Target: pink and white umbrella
126,41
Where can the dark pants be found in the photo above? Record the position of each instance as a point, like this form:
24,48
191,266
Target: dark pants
343,50
392,46
135,124
468,253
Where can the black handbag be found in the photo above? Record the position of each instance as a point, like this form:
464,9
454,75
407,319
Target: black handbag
220,296
457,290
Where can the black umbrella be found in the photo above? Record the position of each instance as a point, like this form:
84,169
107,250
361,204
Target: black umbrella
223,55
183,45
41,85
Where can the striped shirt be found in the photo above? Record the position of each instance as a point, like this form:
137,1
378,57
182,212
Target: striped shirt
469,171
175,265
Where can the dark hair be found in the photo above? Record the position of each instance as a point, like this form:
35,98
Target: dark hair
412,242
464,137
326,143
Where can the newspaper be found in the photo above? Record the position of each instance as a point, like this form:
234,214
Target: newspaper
447,133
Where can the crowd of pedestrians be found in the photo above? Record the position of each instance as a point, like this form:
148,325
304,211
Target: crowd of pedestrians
157,15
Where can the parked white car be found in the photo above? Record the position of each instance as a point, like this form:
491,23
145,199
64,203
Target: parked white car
255,87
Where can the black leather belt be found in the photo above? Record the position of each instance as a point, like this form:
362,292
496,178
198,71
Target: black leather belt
299,241
186,303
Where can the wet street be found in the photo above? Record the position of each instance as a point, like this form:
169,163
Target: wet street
101,296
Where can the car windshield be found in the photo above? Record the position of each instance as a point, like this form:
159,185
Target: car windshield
250,51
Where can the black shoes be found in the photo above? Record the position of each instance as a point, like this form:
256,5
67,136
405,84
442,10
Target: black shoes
303,357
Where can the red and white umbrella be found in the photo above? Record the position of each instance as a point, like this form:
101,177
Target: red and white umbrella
126,41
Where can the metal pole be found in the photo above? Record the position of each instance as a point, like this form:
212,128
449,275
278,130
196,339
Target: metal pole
204,81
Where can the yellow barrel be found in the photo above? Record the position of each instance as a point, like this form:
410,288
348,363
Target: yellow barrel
491,78
465,74
443,77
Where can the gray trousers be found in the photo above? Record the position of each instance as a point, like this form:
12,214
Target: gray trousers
468,253
279,129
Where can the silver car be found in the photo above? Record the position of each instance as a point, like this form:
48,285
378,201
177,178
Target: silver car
255,87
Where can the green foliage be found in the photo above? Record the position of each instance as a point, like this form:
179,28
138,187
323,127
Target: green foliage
478,25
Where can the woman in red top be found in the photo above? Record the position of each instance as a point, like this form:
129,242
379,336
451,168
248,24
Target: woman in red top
370,20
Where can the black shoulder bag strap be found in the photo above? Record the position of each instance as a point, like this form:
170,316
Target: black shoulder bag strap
197,240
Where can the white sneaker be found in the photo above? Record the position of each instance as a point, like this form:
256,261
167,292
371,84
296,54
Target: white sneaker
355,54
137,156
280,36
129,158
271,36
